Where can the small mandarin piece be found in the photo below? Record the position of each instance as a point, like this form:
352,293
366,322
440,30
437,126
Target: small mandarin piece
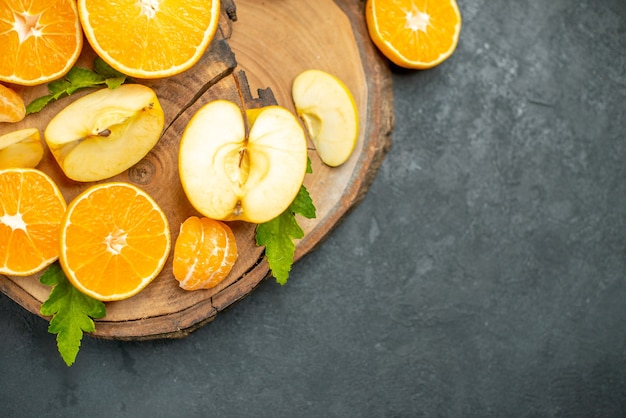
12,107
22,148
115,240
150,38
204,254
41,40
329,112
31,210
415,34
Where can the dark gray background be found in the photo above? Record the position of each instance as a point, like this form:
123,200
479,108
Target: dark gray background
482,276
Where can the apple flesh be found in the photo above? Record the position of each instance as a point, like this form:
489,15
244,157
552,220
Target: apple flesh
329,112
21,149
106,132
249,169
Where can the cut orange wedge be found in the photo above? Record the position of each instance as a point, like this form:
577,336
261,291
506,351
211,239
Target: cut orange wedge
41,40
12,107
31,209
416,34
114,241
150,38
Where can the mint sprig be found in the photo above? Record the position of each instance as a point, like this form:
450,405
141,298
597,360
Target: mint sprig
71,311
78,78
278,234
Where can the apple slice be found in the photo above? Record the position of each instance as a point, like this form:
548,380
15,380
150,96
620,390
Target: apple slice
21,148
329,113
230,173
106,132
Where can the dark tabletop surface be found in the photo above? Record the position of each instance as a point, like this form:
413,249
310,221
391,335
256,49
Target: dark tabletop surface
483,275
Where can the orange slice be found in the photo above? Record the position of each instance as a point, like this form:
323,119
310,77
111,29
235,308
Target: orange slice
150,38
204,253
31,209
41,40
416,34
12,107
114,241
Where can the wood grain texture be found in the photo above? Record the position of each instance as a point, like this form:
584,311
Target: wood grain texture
257,52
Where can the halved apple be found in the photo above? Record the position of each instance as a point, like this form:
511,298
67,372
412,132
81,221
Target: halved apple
21,148
232,173
106,132
329,112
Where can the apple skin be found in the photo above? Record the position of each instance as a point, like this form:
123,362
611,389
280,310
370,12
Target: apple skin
106,132
21,148
231,173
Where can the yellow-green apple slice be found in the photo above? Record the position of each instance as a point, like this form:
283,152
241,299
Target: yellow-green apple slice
230,173
106,132
329,112
21,149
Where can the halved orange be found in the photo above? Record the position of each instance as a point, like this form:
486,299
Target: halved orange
31,209
150,38
204,254
41,40
416,34
12,107
114,241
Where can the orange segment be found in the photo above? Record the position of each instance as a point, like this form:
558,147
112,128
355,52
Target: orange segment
417,34
204,253
31,209
12,107
115,240
150,38
41,40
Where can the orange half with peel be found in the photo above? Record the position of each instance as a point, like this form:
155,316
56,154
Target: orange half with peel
31,210
40,40
415,34
150,38
115,240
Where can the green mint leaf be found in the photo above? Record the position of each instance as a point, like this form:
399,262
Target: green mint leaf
303,204
278,235
38,104
105,70
80,78
76,79
58,87
114,82
71,311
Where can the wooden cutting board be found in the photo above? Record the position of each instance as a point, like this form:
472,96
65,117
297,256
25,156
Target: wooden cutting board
259,49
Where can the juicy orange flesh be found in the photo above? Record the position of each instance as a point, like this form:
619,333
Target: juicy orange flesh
11,105
421,30
204,253
113,247
181,25
47,37
30,215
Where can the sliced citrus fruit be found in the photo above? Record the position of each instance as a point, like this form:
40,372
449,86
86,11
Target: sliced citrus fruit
41,40
204,254
416,34
150,38
114,241
21,149
31,209
12,107
329,112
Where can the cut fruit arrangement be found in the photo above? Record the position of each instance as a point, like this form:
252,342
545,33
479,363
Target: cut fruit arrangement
235,164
